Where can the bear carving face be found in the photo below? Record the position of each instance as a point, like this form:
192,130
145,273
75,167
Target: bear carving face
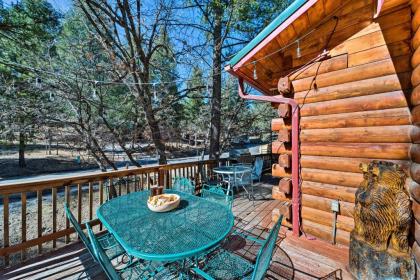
383,211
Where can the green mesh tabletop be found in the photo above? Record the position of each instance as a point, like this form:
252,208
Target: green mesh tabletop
195,226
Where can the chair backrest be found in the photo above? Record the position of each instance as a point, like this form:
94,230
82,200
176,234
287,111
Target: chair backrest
266,252
79,231
258,166
183,185
217,195
103,259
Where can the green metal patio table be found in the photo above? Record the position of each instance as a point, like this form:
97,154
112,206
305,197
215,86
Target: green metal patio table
231,173
194,227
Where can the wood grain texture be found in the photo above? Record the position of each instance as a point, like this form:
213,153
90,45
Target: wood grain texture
387,117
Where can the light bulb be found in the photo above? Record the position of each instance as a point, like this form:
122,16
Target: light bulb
298,54
255,71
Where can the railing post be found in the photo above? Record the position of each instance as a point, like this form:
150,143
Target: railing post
161,177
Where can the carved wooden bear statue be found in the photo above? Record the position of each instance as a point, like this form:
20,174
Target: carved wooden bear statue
382,213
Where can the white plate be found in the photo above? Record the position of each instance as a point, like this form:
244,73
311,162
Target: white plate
167,206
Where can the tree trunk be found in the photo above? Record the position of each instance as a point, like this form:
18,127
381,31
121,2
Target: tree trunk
215,125
22,145
156,135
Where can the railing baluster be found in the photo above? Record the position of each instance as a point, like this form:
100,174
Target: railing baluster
101,197
127,184
141,181
23,223
79,203
67,199
148,180
39,200
90,201
6,226
54,212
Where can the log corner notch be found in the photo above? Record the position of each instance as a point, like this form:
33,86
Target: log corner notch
294,111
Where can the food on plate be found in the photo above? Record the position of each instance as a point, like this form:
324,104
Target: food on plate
159,200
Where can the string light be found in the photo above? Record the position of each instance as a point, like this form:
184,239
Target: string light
298,53
38,82
255,71
94,90
154,92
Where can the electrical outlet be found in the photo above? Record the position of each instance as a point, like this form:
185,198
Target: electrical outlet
335,206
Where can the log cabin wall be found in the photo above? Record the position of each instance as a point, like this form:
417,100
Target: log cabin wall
355,107
415,103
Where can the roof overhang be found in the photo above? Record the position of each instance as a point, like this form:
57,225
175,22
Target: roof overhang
273,32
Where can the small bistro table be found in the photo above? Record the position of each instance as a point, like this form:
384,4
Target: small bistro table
232,172
195,226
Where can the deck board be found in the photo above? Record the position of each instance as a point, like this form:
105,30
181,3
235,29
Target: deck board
298,258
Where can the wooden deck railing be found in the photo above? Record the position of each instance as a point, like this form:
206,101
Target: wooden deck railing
32,212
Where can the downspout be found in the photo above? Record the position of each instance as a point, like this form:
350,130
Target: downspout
295,142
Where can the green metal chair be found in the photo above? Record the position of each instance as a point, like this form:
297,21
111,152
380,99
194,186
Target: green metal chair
135,270
217,194
107,241
227,265
183,185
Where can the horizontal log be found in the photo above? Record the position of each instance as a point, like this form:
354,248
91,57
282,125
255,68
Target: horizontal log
414,189
366,39
415,4
326,218
278,147
415,59
329,191
345,164
348,179
417,231
384,151
284,161
283,110
285,186
416,252
415,22
356,73
415,76
416,210
380,101
325,232
378,134
374,85
322,203
414,153
332,64
415,96
284,210
415,115
278,194
284,135
398,151
415,172
397,116
416,40
279,123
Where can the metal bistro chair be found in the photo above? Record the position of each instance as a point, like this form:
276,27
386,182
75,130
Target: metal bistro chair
217,194
183,185
257,169
227,265
107,241
135,270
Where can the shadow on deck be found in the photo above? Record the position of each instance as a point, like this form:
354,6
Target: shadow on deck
295,257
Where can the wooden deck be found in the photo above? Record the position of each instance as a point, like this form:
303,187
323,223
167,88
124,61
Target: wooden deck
295,258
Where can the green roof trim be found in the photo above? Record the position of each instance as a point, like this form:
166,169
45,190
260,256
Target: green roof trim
267,31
